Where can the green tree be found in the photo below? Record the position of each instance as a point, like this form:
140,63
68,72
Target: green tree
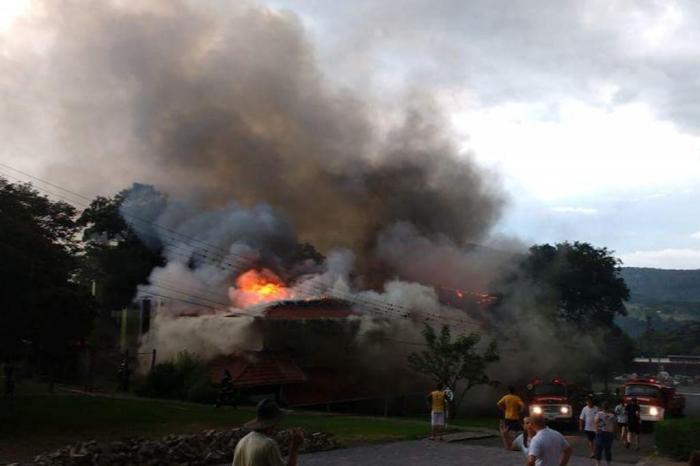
576,289
575,282
456,364
116,259
42,307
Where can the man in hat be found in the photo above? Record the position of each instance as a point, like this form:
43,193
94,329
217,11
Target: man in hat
258,448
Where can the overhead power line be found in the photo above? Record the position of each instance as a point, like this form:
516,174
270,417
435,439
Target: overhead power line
215,256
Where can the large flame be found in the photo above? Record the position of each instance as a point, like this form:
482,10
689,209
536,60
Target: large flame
255,287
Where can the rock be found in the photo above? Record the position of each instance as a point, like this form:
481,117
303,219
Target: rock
694,458
203,448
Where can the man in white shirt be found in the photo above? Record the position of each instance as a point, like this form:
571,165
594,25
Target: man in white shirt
258,448
586,423
449,396
548,447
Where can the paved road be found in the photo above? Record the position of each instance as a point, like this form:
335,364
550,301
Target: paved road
580,445
423,453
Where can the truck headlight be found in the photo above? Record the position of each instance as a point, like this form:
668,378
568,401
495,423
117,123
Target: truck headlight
537,410
564,410
653,411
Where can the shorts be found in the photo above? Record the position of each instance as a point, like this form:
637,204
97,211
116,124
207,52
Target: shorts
634,427
437,418
622,424
603,444
590,434
513,425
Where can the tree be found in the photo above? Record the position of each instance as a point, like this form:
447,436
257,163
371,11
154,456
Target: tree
574,291
115,257
42,307
456,364
577,283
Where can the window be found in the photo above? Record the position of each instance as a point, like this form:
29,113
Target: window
549,389
642,390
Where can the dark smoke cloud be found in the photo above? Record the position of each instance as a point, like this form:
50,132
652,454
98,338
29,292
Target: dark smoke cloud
215,103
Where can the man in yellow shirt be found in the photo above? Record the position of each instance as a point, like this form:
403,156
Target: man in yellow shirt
511,405
437,411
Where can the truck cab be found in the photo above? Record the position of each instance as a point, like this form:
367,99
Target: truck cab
553,400
656,399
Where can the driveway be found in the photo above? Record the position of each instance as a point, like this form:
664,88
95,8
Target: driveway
424,453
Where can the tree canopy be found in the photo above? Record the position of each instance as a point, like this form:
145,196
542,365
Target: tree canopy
41,305
575,291
575,282
115,257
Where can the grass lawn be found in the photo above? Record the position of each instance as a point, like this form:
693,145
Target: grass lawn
37,422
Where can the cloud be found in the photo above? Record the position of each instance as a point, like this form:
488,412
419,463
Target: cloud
695,235
664,259
574,210
536,50
567,101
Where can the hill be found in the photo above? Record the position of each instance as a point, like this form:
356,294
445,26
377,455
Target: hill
650,286
664,299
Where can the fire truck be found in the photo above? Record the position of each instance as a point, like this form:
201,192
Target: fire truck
555,400
655,398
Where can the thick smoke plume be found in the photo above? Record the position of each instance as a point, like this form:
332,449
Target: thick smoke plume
222,105
221,102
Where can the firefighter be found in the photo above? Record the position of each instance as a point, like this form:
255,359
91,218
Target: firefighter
226,393
9,372
124,375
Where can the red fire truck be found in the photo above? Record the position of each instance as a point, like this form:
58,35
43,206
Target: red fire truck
655,398
554,400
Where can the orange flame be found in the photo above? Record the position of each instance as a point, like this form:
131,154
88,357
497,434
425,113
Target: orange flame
255,287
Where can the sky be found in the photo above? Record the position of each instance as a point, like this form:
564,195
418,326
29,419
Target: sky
587,112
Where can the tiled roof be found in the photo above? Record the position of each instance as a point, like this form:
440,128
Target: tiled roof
258,369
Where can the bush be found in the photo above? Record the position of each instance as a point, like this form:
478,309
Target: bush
677,438
164,381
190,368
184,379
203,392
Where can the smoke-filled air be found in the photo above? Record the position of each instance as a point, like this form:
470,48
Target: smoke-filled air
259,176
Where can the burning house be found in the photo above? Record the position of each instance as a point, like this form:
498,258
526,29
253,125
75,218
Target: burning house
312,350
306,353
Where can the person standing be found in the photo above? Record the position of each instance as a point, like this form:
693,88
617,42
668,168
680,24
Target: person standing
511,405
258,448
436,398
621,415
449,396
548,447
522,441
124,375
586,423
9,372
226,394
634,423
605,433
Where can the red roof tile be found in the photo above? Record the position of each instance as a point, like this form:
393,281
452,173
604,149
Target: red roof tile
258,369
